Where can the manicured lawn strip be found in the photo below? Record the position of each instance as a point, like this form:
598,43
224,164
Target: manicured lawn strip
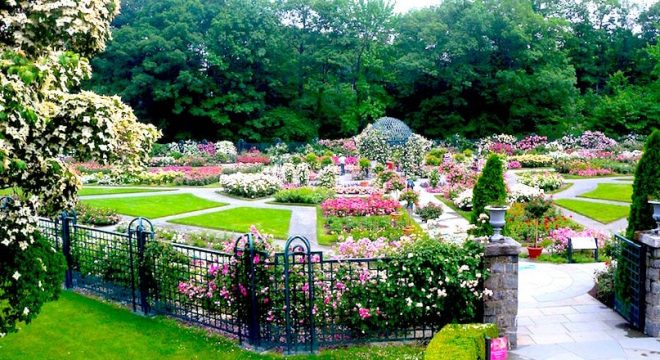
603,213
565,186
268,221
155,206
615,192
79,328
321,236
465,214
240,197
86,191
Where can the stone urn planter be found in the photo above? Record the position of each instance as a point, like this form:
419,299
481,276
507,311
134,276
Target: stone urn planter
496,214
656,214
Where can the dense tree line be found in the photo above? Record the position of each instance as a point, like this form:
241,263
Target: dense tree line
300,69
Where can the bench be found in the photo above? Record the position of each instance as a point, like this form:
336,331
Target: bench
582,243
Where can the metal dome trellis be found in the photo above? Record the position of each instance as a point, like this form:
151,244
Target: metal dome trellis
396,131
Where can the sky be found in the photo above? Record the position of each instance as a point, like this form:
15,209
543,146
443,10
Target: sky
405,5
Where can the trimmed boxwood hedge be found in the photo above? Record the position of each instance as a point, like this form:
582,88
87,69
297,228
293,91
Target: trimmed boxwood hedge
460,342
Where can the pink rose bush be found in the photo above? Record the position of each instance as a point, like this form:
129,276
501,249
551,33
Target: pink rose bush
559,237
356,206
395,285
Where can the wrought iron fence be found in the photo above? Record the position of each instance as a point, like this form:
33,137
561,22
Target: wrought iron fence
630,281
278,300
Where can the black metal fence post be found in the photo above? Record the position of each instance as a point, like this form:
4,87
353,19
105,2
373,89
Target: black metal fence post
141,236
254,311
66,220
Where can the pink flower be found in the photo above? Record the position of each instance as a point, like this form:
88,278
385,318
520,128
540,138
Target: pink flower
364,313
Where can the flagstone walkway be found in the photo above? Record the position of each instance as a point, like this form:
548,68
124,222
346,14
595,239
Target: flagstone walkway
558,319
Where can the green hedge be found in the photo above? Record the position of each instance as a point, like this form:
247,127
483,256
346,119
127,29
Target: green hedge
460,342
303,195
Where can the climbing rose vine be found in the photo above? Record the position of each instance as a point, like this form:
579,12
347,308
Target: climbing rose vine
44,47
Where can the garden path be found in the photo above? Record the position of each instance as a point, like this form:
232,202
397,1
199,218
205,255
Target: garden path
558,319
581,186
452,222
303,218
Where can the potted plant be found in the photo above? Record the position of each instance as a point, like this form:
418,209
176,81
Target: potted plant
534,210
411,197
496,214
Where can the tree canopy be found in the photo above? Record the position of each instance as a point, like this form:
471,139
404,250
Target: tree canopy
300,69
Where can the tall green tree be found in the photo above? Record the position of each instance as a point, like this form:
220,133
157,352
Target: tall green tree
645,186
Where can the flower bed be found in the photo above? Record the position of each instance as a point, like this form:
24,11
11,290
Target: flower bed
546,180
356,206
250,185
356,190
533,161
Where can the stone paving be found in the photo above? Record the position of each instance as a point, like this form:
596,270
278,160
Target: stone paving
558,319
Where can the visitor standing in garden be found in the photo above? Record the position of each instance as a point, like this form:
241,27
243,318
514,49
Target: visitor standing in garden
342,164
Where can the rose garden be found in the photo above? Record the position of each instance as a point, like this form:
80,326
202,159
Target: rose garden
119,243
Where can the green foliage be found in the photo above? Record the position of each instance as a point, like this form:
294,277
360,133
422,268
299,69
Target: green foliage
360,227
96,216
490,187
605,284
303,195
460,342
428,212
409,296
27,265
645,185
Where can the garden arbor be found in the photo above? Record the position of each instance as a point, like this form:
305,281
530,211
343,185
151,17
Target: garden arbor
395,131
391,139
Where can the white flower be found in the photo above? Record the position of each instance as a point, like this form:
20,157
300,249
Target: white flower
26,311
16,275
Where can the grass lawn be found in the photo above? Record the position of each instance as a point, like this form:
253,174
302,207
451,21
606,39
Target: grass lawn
603,213
86,191
268,221
565,186
465,214
154,206
76,327
616,192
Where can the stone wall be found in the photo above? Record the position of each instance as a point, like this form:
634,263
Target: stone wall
502,307
652,317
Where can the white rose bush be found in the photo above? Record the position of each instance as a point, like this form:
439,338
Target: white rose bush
44,46
250,185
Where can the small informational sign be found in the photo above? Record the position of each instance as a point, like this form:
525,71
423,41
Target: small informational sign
586,243
499,348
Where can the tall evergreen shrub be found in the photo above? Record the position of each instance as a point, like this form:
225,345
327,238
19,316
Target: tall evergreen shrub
490,187
645,186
